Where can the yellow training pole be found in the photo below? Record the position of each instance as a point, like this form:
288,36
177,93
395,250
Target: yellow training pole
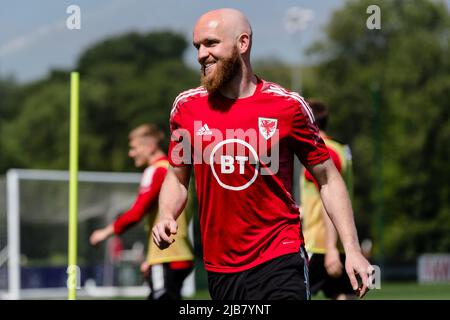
72,269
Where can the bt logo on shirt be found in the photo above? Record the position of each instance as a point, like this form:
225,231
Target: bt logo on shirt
227,164
234,164
235,156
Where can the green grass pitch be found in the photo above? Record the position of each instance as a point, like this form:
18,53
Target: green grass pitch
388,291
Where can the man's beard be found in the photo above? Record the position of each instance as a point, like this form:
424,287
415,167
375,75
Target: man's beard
225,71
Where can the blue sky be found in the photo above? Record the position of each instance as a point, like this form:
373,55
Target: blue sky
34,38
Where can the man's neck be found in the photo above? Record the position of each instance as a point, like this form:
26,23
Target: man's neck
241,86
155,157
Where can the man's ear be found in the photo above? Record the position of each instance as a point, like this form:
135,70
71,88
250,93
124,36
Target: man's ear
244,43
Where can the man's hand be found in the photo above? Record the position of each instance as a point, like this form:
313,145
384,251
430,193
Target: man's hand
145,268
333,263
101,234
162,231
97,236
358,266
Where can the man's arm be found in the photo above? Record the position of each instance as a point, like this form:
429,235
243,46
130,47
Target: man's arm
338,206
100,235
144,200
332,260
172,201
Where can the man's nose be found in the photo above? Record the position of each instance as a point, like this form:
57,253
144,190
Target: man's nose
202,54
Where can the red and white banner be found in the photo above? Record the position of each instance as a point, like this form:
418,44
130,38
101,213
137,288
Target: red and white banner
433,268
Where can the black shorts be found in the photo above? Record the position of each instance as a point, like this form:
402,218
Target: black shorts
282,278
320,280
166,283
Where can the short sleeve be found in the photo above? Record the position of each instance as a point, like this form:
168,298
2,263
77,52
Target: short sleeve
337,162
179,146
305,138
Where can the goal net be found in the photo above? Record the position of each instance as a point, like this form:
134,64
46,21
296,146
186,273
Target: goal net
34,236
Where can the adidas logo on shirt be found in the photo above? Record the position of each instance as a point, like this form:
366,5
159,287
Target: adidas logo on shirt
204,131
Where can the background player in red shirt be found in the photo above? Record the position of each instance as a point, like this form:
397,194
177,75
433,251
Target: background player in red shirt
165,270
240,134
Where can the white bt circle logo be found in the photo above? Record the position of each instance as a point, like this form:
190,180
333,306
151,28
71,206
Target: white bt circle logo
234,164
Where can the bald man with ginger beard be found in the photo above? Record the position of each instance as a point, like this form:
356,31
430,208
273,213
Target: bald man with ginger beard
239,134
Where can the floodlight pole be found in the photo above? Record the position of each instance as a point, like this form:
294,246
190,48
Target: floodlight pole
296,21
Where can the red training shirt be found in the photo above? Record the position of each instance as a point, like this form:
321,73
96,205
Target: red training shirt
247,213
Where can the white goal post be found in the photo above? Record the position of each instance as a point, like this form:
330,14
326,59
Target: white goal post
36,201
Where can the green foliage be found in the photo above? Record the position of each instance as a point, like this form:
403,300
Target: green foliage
143,50
274,71
8,102
409,59
388,291
7,93
125,81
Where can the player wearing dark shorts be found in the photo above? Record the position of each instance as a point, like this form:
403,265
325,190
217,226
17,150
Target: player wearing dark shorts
164,270
319,279
166,279
250,223
239,134
282,278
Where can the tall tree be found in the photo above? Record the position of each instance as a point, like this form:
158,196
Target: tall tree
8,109
408,59
125,81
